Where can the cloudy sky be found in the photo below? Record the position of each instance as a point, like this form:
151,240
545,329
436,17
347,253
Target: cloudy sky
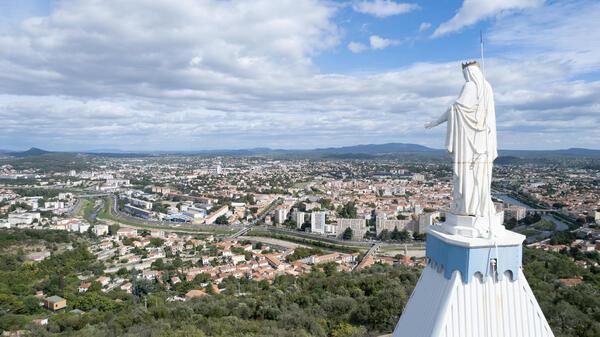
214,74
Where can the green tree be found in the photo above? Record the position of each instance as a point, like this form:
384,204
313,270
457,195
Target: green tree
347,234
222,220
348,211
13,322
112,229
156,242
158,264
93,300
96,286
122,272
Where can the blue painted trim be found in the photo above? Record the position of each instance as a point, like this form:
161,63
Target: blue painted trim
472,260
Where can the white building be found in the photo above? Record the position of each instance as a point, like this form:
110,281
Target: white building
54,205
383,224
317,222
299,219
126,231
139,202
33,202
280,215
100,230
213,216
358,227
22,218
426,219
515,212
65,196
157,233
117,182
76,226
83,227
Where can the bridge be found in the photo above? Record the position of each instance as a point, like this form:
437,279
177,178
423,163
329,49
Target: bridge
542,210
365,258
240,233
93,195
264,214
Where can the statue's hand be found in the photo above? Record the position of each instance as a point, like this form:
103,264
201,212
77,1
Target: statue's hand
429,125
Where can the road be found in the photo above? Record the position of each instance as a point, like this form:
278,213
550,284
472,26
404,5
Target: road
240,233
274,242
167,224
262,216
369,253
75,209
316,237
93,195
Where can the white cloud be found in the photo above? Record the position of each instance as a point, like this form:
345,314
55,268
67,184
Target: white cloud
561,31
473,11
357,47
381,43
85,46
233,75
424,26
383,8
375,43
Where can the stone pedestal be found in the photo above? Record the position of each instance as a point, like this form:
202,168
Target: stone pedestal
473,227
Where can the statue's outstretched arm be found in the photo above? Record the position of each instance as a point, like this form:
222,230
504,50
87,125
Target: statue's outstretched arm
443,118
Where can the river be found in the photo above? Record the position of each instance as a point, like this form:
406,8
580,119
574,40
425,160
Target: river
560,226
95,213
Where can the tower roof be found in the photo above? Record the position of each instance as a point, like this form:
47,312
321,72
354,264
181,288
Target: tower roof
441,307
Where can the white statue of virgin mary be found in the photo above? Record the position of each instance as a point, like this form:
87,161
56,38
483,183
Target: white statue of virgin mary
471,141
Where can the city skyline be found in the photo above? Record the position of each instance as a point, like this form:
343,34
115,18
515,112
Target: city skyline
296,75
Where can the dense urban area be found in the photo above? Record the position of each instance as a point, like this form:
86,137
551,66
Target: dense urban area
208,245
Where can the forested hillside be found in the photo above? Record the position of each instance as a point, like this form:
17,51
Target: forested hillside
322,303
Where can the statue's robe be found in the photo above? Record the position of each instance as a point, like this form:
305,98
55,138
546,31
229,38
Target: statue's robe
471,141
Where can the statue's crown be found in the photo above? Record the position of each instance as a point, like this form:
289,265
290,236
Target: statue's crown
472,63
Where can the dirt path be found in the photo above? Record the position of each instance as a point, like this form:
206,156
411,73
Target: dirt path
272,241
394,252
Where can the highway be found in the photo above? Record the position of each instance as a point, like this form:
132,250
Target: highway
73,211
242,231
124,216
262,216
316,237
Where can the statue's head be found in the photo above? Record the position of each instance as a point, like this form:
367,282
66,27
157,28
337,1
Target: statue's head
471,70
468,64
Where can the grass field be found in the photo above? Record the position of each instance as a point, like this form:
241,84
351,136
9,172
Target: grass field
88,208
81,210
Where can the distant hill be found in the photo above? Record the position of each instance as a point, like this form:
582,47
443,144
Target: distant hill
511,156
34,151
51,162
377,148
581,151
572,152
356,149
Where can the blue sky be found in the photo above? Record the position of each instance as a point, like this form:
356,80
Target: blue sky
414,45
211,74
